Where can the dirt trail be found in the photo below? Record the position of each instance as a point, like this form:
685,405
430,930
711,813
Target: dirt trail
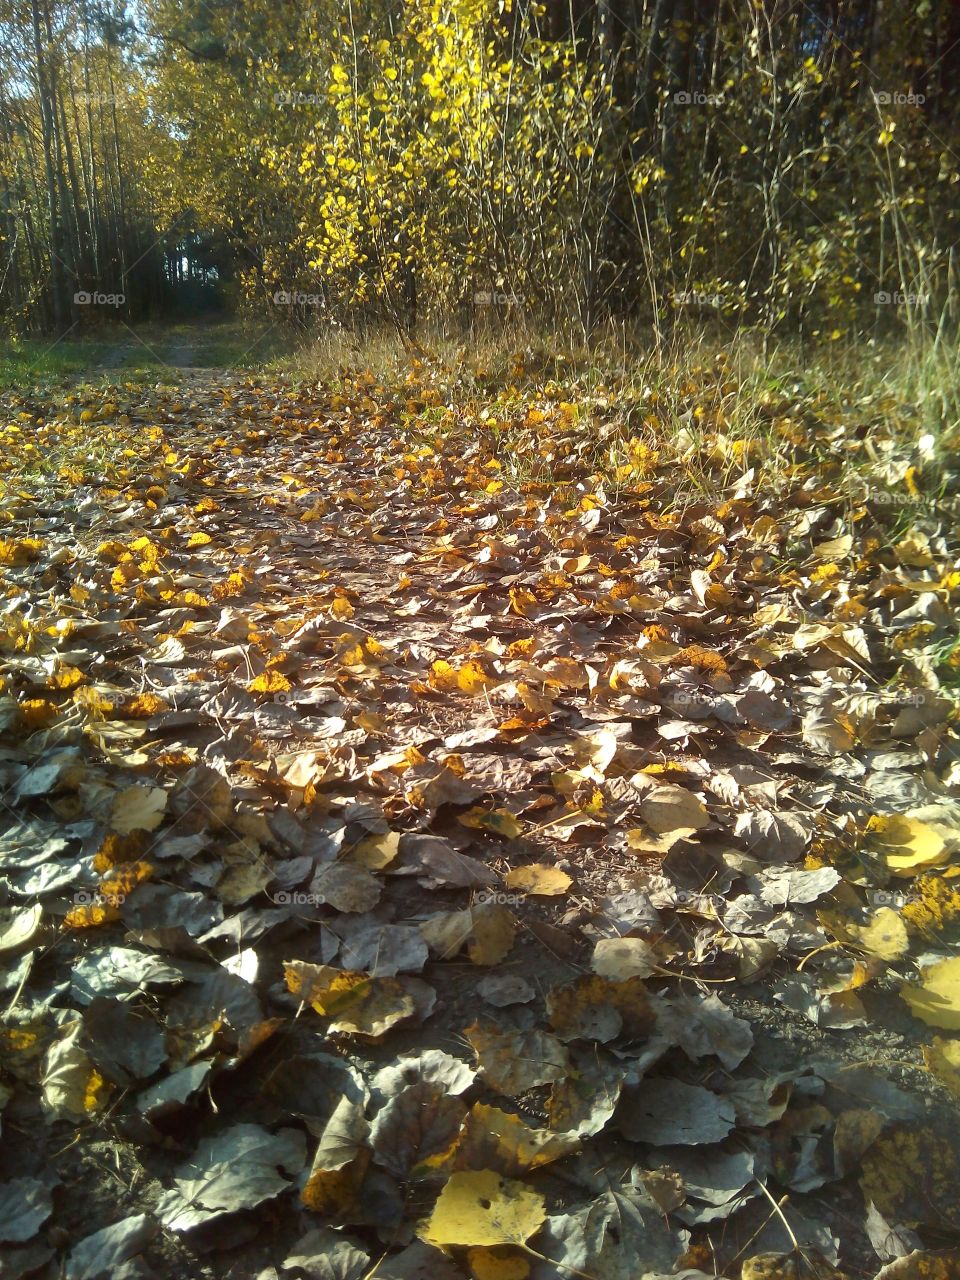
116,356
353,754
181,355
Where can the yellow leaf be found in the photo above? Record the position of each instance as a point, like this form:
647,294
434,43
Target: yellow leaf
936,1000
16,553
95,1092
486,929
372,721
341,1162
116,849
577,564
935,908
912,1174
565,673
341,608
123,575
443,676
671,808
502,1141
784,1266
358,1003
271,681
233,585
492,935
37,713
718,597
538,878
149,553
332,1192
90,916
472,678
122,879
534,702
942,1059
112,551
886,935
906,844
375,852
522,602
914,550
500,821
138,809
620,958
641,841
484,1264
482,1208
141,707
923,1264
93,702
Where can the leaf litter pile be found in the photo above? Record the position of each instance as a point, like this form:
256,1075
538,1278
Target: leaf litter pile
434,845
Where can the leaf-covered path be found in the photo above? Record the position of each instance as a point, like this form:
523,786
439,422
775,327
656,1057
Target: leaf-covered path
434,846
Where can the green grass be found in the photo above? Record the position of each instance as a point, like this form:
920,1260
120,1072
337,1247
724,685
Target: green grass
28,361
141,349
242,346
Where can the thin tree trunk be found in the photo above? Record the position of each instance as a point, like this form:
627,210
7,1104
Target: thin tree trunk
57,278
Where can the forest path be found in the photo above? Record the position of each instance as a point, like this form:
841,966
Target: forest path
353,791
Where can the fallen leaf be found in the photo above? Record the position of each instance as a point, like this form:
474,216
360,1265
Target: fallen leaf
619,958
233,1170
936,1000
138,809
672,808
600,1008
483,1208
665,1112
514,1061
942,1059
539,879
907,844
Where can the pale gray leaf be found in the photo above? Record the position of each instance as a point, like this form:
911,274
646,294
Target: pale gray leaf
25,1205
666,1112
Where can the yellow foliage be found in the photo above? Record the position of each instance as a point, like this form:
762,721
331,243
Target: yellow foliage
15,553
270,681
